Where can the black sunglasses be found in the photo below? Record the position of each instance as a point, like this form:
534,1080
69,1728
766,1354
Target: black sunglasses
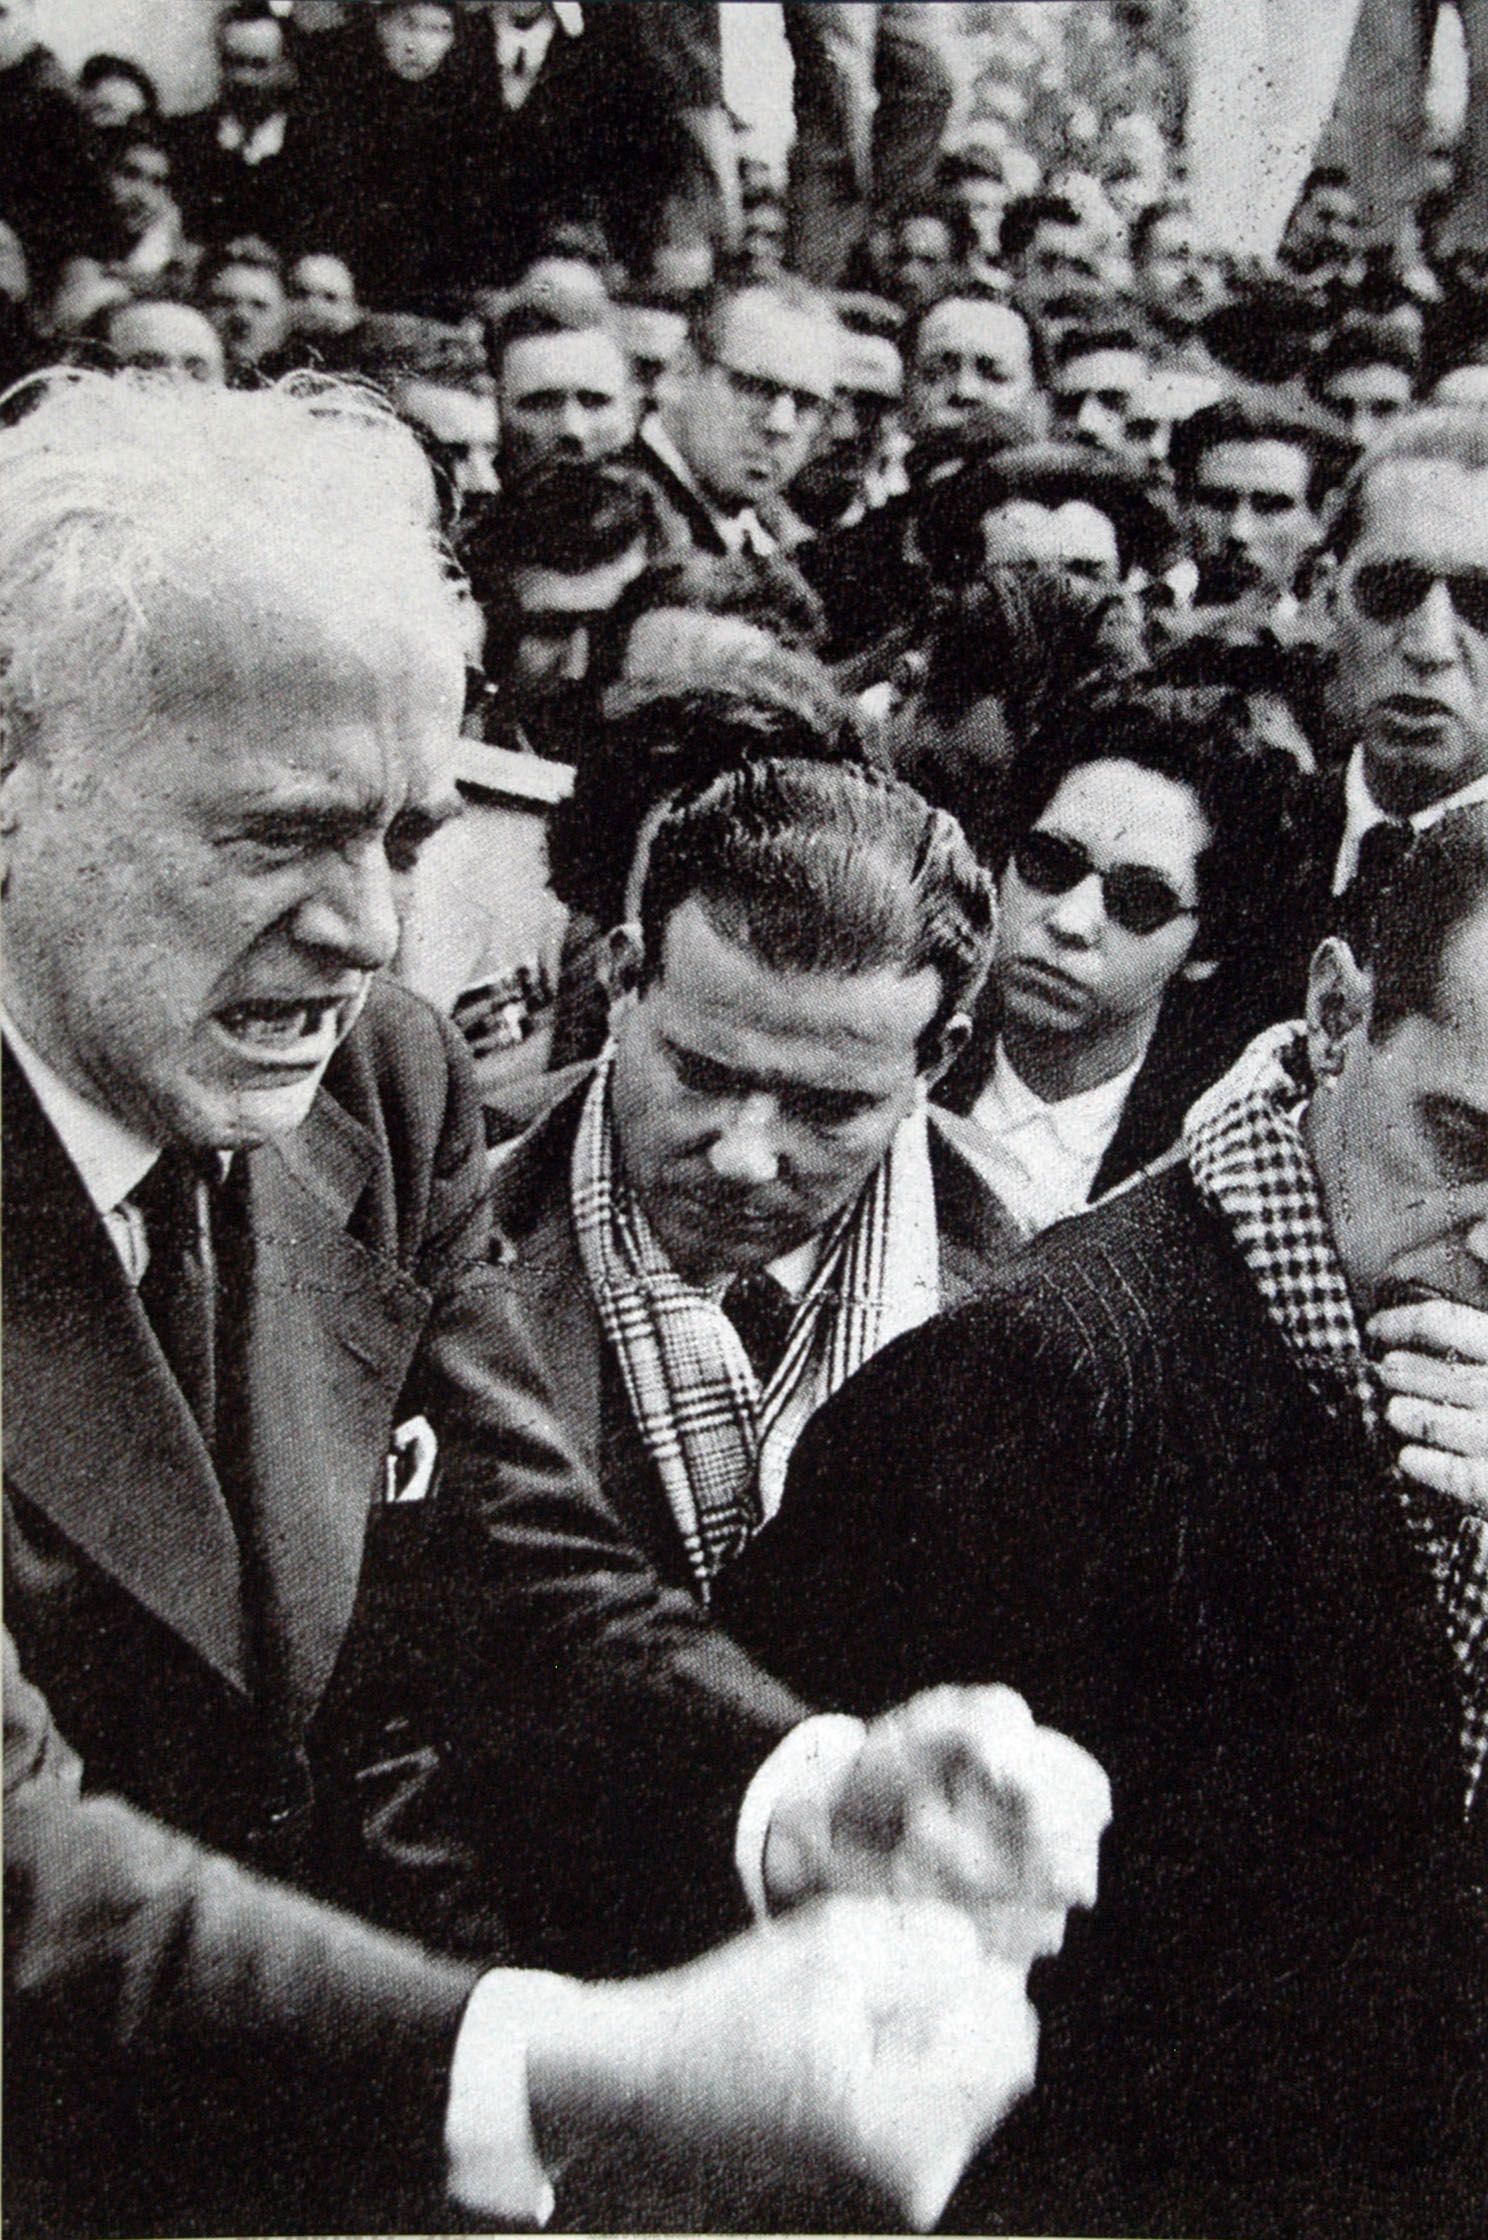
1138,901
1389,590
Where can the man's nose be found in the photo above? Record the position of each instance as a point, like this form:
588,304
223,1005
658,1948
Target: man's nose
572,665
353,913
1430,633
1240,525
1078,914
783,417
573,421
746,1147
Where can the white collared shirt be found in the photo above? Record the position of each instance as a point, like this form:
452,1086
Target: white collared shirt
739,532
111,1159
1361,813
1041,1159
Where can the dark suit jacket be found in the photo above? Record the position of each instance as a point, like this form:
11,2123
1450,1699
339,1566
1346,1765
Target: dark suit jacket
653,1722
220,195
263,1705
1109,1485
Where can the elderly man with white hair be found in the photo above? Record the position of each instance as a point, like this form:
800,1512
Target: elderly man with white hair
247,1295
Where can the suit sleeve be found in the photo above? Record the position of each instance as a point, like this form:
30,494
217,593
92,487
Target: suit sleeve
224,2024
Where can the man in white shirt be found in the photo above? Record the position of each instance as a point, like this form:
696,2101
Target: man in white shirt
1408,604
742,406
246,1222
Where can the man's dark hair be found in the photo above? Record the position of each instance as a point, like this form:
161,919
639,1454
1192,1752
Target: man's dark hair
1402,928
770,592
1023,217
100,67
1199,737
526,321
245,248
1329,175
1082,342
1048,474
1363,339
826,869
1249,419
671,742
1449,435
568,515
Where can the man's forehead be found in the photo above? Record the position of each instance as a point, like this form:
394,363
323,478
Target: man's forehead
761,335
1255,463
586,358
1428,509
720,997
962,324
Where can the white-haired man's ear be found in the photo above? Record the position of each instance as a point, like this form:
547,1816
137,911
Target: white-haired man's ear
620,964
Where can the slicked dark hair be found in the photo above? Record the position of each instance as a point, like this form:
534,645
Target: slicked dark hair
829,869
1023,217
1402,927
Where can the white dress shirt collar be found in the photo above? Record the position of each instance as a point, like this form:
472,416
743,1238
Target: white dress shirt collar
111,1159
739,532
1040,1158
256,144
1361,813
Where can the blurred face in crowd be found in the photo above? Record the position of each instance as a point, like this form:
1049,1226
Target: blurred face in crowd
1093,393
751,1105
322,294
984,200
1250,523
922,263
745,416
246,303
415,39
193,915
459,430
139,187
1059,260
1065,965
1399,1135
653,340
1175,280
168,338
764,238
1367,398
17,31
15,280
111,103
1158,403
554,618
564,396
1075,536
1324,232
255,66
968,354
1410,621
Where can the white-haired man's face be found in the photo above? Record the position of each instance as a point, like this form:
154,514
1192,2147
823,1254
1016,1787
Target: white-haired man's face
194,915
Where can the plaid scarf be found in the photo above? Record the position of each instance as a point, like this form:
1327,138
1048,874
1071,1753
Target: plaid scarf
1244,1145
720,1443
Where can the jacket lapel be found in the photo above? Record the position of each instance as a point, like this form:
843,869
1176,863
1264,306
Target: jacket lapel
328,1330
98,1436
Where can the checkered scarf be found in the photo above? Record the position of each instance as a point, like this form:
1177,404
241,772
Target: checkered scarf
720,1443
1245,1149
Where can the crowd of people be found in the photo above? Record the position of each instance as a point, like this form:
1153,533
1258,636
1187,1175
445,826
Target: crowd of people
995,1230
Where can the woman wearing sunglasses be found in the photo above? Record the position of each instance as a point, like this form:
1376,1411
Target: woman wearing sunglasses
1150,838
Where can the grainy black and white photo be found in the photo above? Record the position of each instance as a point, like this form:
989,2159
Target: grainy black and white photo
744,839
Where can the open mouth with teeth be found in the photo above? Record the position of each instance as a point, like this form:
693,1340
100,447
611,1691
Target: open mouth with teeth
297,1030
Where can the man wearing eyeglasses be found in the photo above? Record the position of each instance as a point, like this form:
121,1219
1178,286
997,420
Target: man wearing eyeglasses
1408,601
745,403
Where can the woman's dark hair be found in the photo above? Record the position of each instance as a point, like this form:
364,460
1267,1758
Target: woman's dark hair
674,741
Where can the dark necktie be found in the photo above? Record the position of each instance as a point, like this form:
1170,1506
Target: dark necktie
1382,850
179,1288
762,1311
